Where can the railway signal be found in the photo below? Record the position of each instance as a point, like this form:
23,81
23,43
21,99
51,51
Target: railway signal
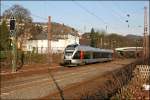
12,24
14,50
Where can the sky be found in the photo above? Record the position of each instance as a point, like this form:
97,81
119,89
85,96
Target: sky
110,16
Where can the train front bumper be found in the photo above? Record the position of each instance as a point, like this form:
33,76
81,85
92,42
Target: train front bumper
72,62
67,61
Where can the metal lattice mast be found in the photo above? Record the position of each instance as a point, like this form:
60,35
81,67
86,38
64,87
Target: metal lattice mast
145,40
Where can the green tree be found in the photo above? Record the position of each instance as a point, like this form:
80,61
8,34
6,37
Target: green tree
4,36
93,38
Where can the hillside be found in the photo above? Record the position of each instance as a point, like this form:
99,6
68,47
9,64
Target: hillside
130,36
113,40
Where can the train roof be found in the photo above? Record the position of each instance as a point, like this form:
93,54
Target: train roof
88,48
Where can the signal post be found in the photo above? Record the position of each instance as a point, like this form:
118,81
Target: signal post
14,48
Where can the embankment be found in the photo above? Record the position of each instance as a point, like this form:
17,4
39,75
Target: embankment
102,87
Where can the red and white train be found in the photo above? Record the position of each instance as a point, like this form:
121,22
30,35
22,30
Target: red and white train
76,54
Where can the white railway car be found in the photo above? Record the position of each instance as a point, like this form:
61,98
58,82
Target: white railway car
76,54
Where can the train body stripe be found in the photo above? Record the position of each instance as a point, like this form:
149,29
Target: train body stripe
81,55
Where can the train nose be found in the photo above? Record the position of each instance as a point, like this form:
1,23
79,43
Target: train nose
67,61
67,57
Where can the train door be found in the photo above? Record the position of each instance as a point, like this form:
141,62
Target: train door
81,55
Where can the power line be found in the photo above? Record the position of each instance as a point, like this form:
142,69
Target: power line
127,14
39,17
117,15
118,6
91,13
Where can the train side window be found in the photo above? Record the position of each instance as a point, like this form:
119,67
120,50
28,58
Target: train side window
77,55
104,55
100,55
87,55
97,55
110,55
94,54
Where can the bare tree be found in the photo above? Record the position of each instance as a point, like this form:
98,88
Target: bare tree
23,22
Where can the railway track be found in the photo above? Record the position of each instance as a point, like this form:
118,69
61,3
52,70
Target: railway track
41,85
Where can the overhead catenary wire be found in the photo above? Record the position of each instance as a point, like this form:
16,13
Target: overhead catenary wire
127,16
39,17
131,10
120,16
85,9
114,13
119,8
118,13
89,12
94,15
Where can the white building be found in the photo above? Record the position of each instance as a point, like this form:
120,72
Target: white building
62,36
40,44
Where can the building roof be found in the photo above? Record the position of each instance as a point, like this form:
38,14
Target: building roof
42,36
57,28
58,31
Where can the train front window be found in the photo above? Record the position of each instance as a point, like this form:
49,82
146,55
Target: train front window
69,53
110,55
71,47
77,55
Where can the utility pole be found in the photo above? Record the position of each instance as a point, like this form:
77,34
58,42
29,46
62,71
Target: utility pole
106,28
49,41
101,42
136,56
145,40
84,29
14,48
98,42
